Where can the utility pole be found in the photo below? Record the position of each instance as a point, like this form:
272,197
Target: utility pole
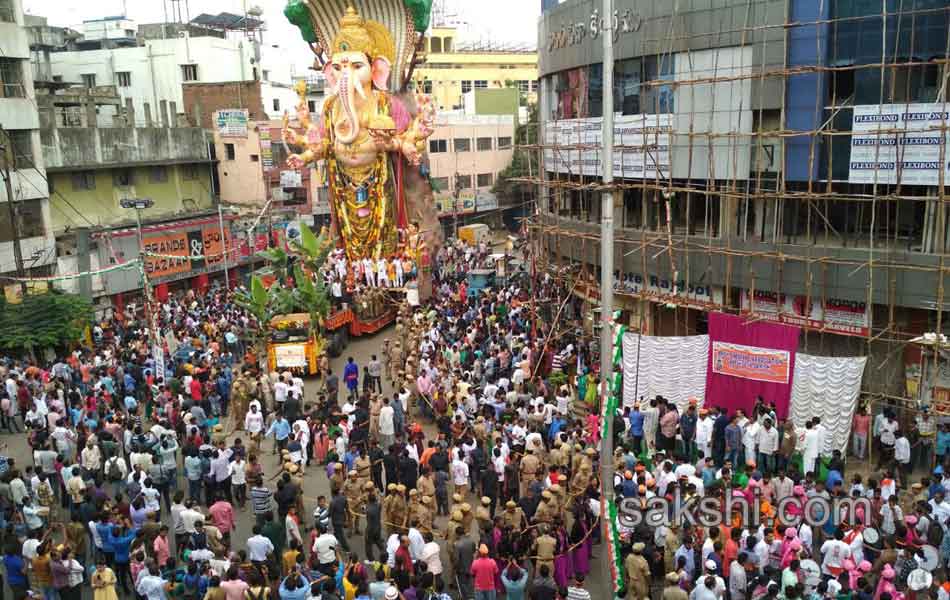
7,149
224,247
455,204
140,204
607,281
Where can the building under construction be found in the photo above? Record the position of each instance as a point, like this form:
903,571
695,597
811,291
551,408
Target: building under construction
783,160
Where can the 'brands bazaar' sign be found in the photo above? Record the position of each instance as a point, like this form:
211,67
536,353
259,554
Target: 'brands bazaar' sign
572,34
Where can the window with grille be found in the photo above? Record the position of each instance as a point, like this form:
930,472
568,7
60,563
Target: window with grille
122,177
435,44
524,86
463,182
483,144
189,72
276,104
124,78
504,143
436,146
440,184
481,84
462,144
427,86
312,106
229,151
158,175
21,140
84,180
466,87
89,80
6,11
485,179
189,172
11,78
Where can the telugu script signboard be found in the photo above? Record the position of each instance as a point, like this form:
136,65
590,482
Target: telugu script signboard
750,362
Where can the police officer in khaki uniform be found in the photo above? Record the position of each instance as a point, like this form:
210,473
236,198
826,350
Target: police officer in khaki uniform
545,511
528,469
425,484
297,480
395,358
425,514
338,478
353,490
388,519
454,522
545,549
468,517
483,514
513,516
400,509
364,471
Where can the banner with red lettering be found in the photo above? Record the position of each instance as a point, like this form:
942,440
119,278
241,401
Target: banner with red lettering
760,364
834,315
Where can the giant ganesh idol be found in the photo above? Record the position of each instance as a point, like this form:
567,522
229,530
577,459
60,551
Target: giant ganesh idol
371,131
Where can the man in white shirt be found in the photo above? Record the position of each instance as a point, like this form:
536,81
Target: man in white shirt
258,546
460,476
325,547
190,516
834,552
767,440
387,425
151,585
416,542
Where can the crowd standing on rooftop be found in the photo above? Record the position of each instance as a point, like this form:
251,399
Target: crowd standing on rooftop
476,476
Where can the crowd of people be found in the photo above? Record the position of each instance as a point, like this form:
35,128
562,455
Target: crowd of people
461,461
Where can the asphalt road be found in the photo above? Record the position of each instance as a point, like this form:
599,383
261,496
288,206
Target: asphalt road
315,480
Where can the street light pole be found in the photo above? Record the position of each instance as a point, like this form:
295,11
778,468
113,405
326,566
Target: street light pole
140,204
607,283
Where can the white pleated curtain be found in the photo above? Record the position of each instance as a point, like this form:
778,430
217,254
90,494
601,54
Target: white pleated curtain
827,387
672,367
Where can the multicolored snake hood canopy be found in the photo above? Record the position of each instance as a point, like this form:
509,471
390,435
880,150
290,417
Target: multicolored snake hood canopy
319,20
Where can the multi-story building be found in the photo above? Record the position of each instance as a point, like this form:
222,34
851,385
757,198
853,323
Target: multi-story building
20,136
452,69
749,177
468,151
253,171
95,165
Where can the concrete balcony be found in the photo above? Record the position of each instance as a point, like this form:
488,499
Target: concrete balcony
66,149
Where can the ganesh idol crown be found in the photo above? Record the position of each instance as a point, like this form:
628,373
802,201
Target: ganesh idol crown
370,134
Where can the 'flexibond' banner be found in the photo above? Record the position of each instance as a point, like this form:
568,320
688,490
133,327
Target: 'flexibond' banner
750,362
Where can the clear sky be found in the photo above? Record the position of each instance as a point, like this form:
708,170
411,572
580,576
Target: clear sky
498,20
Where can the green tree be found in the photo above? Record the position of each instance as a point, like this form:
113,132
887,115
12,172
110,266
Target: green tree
40,321
308,295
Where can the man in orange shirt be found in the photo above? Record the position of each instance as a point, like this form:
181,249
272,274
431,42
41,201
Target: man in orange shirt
427,454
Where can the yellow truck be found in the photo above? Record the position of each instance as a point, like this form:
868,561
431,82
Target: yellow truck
474,235
292,347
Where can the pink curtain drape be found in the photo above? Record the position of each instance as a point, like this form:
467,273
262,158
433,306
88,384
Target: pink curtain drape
737,392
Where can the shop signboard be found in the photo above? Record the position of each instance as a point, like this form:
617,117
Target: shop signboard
231,122
834,315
